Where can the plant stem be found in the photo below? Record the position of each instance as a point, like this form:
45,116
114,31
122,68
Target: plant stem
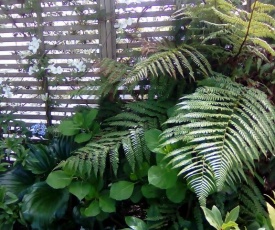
247,31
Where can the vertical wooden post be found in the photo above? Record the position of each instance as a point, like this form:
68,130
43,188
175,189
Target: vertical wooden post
107,33
42,50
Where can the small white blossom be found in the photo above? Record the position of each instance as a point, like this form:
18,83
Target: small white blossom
124,23
55,70
34,44
24,54
33,69
44,97
79,65
7,91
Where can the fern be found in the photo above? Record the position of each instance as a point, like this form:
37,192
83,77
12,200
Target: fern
125,132
222,127
252,200
223,21
169,61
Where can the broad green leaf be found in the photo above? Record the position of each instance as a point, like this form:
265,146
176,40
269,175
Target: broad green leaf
217,215
58,179
211,218
11,198
135,223
80,189
93,209
152,139
107,204
78,119
68,128
177,193
121,190
232,215
150,191
162,177
43,204
230,225
137,195
82,137
271,212
90,117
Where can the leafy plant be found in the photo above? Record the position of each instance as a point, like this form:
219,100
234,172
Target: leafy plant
214,218
82,125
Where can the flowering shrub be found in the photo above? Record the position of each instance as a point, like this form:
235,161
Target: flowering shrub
38,130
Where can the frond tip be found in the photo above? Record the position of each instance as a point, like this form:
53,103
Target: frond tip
222,127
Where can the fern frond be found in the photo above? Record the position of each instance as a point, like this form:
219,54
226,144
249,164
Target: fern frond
223,127
121,133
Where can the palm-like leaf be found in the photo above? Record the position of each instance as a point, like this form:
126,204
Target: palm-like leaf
223,128
43,204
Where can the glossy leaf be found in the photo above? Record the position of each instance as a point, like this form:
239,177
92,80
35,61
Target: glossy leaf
43,204
121,190
177,193
93,209
162,177
82,137
68,128
80,189
59,179
107,204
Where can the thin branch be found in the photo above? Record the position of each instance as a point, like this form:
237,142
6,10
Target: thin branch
247,32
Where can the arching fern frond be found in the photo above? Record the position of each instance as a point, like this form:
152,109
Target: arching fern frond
222,127
121,134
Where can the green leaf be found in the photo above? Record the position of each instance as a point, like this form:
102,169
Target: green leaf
68,128
58,179
232,215
80,189
177,193
43,204
107,204
217,215
78,119
90,117
210,217
271,212
152,139
137,195
150,191
229,225
93,209
135,223
82,137
162,177
121,190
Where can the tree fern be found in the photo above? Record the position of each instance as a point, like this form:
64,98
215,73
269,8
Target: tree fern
222,128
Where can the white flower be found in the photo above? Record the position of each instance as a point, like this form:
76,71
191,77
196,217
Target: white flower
33,69
24,54
79,65
34,44
55,70
124,23
7,91
44,97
